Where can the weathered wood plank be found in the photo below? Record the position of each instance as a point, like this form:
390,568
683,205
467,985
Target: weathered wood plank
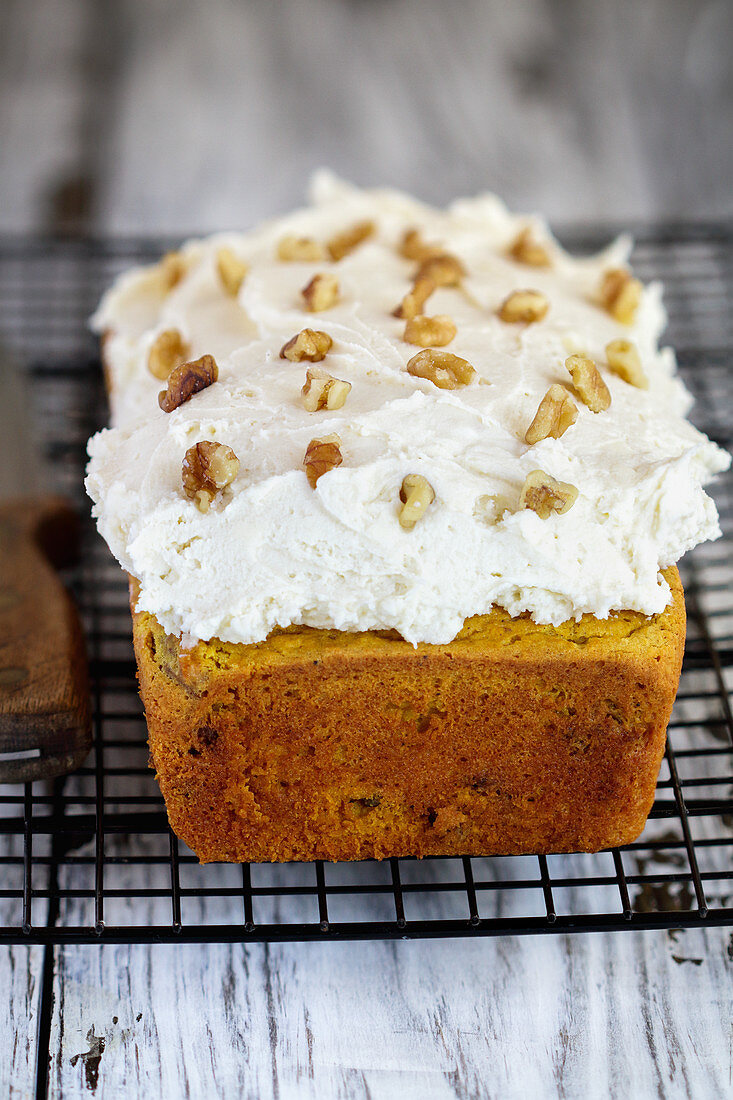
592,1016
179,116
43,91
20,980
176,116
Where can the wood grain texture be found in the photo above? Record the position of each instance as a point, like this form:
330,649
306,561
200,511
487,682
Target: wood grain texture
44,688
20,980
591,1016
178,116
20,972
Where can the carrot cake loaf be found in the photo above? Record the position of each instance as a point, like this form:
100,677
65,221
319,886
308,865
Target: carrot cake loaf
400,493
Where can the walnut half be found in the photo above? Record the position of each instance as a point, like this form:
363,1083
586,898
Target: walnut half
444,370
172,267
186,380
429,331
412,247
231,270
416,494
443,269
208,467
322,292
309,344
544,495
621,294
322,391
556,412
301,250
589,385
344,243
321,455
523,307
413,302
623,360
526,249
167,351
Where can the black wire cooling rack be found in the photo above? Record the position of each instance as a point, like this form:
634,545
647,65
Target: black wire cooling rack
90,858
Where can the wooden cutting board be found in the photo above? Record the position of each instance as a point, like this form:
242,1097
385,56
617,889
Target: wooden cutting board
45,727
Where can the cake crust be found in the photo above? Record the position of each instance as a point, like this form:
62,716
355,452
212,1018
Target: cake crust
321,744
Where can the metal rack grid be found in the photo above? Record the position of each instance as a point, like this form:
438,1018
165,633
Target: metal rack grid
90,858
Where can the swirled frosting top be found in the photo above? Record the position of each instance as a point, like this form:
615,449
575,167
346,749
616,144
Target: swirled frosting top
271,550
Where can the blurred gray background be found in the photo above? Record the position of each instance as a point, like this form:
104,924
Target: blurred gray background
177,115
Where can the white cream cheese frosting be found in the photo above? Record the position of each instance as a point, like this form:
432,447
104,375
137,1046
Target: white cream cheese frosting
272,551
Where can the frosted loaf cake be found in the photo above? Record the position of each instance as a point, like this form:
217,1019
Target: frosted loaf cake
376,456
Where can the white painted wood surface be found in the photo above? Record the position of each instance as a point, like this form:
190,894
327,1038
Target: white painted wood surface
168,117
173,115
20,981
597,1016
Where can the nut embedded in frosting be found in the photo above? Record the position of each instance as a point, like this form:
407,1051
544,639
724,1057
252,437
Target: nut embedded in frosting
526,249
322,455
556,412
588,384
624,360
186,380
172,268
413,302
321,293
231,270
344,243
444,370
416,494
208,467
523,307
300,250
620,294
413,247
442,269
167,351
429,331
322,391
544,495
309,343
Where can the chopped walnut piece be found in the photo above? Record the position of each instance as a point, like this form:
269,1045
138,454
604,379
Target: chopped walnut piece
413,302
208,468
544,495
344,243
623,360
443,269
523,307
322,292
526,249
620,294
321,455
429,331
446,371
231,270
322,391
589,385
300,250
309,344
556,412
186,380
412,247
172,268
167,351
416,494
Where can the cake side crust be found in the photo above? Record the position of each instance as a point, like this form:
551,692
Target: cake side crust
322,745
